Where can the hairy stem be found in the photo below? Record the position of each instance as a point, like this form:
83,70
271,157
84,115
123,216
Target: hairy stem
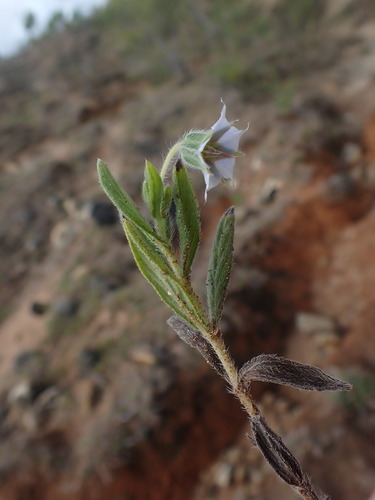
169,161
216,341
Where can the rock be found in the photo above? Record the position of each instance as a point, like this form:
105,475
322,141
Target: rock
351,153
25,216
105,284
63,234
38,308
88,358
20,394
269,190
223,475
66,307
339,186
309,323
143,354
243,277
240,474
29,362
103,213
46,400
38,387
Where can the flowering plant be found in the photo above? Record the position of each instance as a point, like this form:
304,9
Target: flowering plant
173,206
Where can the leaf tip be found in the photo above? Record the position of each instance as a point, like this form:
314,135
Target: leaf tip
102,169
100,164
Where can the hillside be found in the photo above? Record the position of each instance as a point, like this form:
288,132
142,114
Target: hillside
99,398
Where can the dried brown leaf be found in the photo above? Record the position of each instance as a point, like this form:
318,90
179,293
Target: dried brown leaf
272,368
195,339
281,459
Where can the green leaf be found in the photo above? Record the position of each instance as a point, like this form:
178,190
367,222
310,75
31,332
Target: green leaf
152,190
165,211
167,198
220,266
120,198
157,264
187,217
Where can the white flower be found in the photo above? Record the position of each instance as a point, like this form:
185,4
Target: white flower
213,151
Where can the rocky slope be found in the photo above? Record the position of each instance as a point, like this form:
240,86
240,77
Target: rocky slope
99,399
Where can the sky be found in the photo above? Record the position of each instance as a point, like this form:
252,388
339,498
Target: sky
12,12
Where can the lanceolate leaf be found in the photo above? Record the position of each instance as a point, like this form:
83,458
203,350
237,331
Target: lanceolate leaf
167,198
153,190
276,453
157,265
187,217
272,368
220,266
165,211
119,198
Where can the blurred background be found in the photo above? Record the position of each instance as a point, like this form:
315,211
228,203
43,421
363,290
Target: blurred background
99,398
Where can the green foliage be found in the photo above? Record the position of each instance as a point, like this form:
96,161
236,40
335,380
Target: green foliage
220,266
152,190
119,198
29,21
157,264
244,46
187,217
57,22
153,255
294,17
256,82
283,96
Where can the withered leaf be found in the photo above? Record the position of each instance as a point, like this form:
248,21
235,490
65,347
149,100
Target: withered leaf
276,453
281,459
195,339
272,368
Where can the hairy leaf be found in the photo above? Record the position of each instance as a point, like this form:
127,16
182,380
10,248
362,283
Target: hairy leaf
152,190
281,459
220,266
187,217
276,453
272,368
165,212
157,265
119,198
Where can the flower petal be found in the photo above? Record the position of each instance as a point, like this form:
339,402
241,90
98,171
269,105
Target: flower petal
211,181
224,168
231,139
222,122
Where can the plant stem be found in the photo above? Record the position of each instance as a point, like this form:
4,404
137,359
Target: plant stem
216,341
169,160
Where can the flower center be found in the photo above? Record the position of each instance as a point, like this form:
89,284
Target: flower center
210,153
